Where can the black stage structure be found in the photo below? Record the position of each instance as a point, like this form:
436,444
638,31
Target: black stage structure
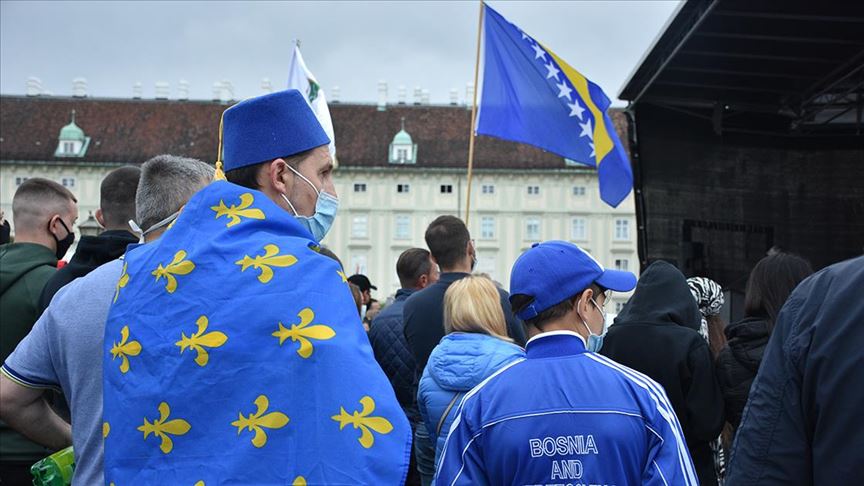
747,134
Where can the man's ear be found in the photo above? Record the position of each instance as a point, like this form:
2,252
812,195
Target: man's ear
423,281
52,224
275,174
583,304
99,217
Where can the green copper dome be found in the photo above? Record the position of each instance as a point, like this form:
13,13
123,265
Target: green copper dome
72,131
402,138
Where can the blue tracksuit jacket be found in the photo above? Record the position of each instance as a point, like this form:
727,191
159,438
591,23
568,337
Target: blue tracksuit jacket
565,416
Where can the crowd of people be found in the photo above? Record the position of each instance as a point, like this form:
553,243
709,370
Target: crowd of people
462,382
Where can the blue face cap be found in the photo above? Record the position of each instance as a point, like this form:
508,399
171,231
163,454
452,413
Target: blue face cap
268,127
554,271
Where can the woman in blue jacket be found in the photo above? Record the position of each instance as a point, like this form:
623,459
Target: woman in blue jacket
475,346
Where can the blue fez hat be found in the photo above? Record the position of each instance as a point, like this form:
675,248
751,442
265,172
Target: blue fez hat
268,127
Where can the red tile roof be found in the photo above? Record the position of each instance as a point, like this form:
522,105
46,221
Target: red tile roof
131,131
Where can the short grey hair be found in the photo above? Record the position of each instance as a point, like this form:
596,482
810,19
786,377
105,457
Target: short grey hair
167,183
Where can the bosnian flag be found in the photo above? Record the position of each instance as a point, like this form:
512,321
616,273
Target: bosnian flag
300,78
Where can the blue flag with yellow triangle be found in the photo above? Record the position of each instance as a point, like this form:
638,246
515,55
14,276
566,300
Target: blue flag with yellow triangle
532,96
234,354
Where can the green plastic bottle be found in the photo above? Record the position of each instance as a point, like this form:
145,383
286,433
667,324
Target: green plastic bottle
54,470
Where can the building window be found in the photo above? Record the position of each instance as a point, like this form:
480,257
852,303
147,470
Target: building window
578,190
360,187
622,264
579,229
487,228
68,182
488,189
20,180
69,148
403,228
533,190
446,188
622,229
360,227
403,188
532,229
358,265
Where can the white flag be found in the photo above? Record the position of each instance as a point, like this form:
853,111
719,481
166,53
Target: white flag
300,78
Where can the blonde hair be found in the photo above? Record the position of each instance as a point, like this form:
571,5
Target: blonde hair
472,304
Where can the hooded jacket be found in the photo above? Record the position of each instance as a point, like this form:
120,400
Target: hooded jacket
802,423
657,334
92,252
458,364
739,361
24,269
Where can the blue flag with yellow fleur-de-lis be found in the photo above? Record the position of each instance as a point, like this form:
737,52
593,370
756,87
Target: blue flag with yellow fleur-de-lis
234,354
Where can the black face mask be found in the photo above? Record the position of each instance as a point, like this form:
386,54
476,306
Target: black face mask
64,244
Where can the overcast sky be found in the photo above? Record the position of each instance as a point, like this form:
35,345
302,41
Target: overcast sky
352,45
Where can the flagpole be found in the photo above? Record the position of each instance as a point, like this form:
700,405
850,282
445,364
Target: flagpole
473,115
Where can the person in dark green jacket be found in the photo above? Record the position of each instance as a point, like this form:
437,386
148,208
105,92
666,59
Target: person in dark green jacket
43,214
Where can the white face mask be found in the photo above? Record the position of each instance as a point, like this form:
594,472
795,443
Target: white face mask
325,210
595,341
165,222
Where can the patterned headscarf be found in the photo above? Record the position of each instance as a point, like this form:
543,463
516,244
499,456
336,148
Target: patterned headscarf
708,295
709,299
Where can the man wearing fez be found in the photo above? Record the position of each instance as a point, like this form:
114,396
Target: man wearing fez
233,353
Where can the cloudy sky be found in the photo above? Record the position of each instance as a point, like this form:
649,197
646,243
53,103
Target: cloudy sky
352,45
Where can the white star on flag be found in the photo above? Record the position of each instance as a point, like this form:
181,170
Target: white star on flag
576,109
524,35
591,144
552,70
586,130
564,90
539,53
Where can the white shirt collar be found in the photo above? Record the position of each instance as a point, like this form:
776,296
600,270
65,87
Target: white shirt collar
558,333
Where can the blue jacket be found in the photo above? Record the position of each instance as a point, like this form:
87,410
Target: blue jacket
387,337
566,416
459,362
802,423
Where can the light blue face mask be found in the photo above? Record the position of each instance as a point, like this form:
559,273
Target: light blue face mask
325,211
595,341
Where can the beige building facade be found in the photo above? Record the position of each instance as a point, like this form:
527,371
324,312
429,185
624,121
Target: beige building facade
388,196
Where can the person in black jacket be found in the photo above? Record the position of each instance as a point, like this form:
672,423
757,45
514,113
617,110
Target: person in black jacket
416,271
116,208
657,333
453,250
769,285
802,423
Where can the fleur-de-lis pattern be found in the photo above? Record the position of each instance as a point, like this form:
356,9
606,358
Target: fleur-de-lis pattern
364,421
201,340
164,428
271,258
237,211
122,282
124,349
178,266
173,347
303,332
260,420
